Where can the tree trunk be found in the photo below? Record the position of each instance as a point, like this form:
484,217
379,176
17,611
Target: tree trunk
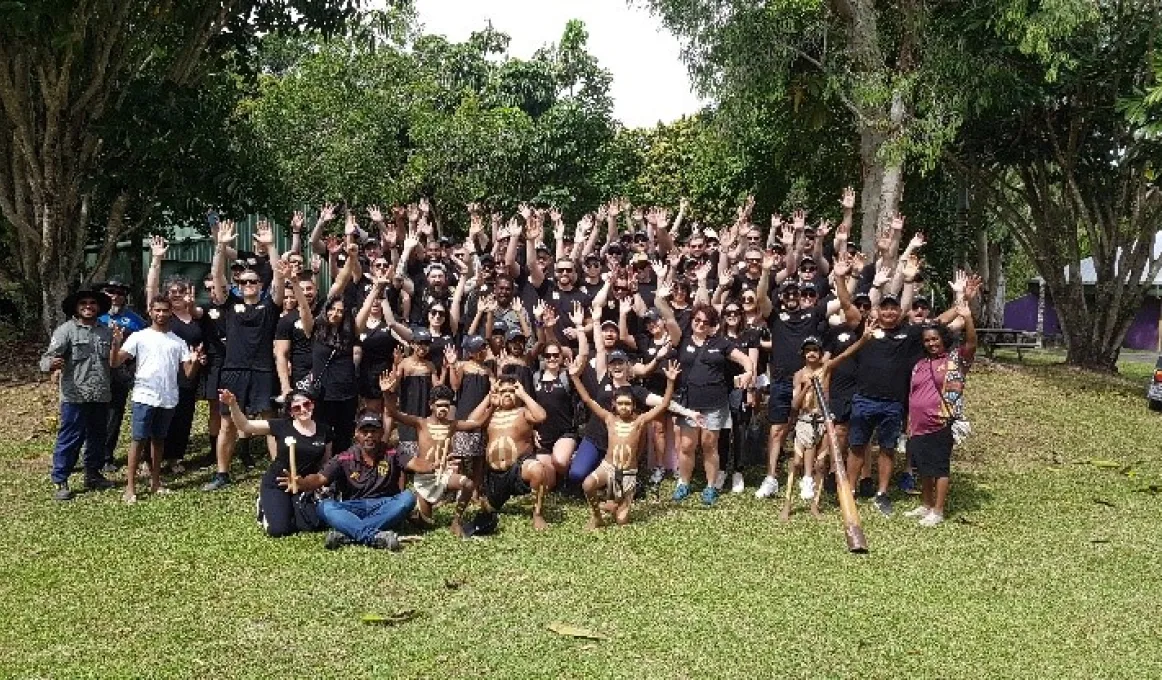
870,141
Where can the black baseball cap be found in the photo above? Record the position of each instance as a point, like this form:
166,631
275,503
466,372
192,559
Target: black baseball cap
617,355
499,327
474,343
810,341
421,336
369,419
889,299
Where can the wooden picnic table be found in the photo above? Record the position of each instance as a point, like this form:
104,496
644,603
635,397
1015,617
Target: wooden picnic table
1007,338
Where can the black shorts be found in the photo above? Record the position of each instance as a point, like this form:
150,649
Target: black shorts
209,379
779,405
549,438
253,390
931,453
840,405
501,486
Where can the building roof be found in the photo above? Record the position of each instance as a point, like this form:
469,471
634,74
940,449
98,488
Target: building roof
1089,273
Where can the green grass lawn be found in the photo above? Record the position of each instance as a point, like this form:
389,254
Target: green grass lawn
1048,567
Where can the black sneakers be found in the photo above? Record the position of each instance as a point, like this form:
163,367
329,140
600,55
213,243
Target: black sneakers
867,488
97,483
883,504
335,540
386,540
62,493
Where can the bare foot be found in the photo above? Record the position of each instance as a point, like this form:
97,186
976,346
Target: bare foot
457,528
622,517
609,506
539,523
594,524
129,497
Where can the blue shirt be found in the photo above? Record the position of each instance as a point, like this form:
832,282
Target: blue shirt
127,319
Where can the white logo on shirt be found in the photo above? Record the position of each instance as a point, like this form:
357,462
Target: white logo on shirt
878,334
214,314
844,337
901,336
238,309
690,348
299,324
362,337
556,295
785,316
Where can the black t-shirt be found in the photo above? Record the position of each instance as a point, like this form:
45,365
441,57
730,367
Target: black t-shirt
602,393
290,327
836,340
379,345
353,478
556,396
309,450
886,361
788,331
647,350
333,365
748,339
704,371
191,334
250,332
213,333
562,301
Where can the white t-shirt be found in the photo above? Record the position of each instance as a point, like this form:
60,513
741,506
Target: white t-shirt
159,358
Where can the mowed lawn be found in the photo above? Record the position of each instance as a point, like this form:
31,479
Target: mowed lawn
1048,566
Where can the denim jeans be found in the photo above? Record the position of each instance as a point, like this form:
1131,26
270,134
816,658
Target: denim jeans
362,518
81,424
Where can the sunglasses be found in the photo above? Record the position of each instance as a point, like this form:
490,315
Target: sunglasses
302,406
752,238
749,300
565,270
807,270
808,293
641,239
592,263
439,312
248,282
702,322
382,265
552,355
731,312
754,260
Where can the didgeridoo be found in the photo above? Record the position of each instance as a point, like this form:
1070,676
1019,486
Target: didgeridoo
856,542
294,468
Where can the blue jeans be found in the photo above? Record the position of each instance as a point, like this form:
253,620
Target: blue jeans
585,461
362,518
80,424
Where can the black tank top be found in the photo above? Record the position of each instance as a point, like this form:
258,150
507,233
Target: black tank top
474,389
415,392
556,395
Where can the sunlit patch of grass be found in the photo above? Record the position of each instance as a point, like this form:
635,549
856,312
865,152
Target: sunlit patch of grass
1047,566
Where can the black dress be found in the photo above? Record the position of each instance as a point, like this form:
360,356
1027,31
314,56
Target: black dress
415,392
378,355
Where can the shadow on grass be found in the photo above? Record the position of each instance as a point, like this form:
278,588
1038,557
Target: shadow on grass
967,494
1053,371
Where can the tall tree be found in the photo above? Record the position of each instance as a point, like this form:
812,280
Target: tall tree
72,73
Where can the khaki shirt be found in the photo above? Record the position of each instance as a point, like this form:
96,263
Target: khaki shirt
85,349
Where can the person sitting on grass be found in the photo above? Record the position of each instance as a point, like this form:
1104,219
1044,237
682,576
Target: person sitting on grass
809,423
616,476
435,434
279,512
159,354
936,403
366,480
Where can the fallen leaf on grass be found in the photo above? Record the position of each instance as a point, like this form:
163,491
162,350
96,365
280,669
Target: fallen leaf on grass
575,631
1105,464
1153,488
965,520
453,583
1102,501
1099,540
402,616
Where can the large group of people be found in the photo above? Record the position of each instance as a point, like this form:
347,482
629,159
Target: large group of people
468,371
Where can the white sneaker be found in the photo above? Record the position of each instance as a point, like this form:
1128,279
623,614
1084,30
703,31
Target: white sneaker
657,475
807,488
719,480
918,512
737,483
931,519
768,488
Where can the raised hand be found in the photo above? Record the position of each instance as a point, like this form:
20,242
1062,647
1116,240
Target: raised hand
296,222
823,229
577,315
350,225
555,215
703,270
263,234
412,240
898,222
389,236
858,261
450,357
158,247
602,212
327,212
352,250
425,205
787,237
226,233
972,287
475,220
917,241
539,310
583,226
227,397
614,207
883,275
664,291
118,332
958,282
842,265
387,382
374,213
911,267
425,226
576,367
799,219
535,228
625,305
413,214
550,317
659,270
525,211
334,245
871,327
847,200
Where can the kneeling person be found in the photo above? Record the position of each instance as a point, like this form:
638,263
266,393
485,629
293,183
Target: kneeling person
617,474
366,480
513,468
434,435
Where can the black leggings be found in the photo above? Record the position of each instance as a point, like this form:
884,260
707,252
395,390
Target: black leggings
279,515
340,415
178,439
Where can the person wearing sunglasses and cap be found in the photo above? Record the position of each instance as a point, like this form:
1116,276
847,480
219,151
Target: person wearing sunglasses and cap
118,314
79,351
249,322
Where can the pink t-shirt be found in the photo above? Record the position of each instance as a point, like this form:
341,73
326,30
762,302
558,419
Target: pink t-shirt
928,411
